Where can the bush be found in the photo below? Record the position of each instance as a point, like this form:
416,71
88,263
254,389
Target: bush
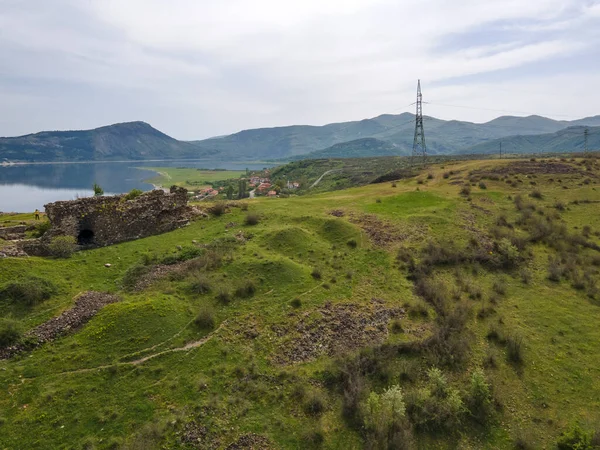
133,194
446,175
205,320
536,194
480,396
199,285
352,243
251,219
575,439
218,209
10,332
133,275
383,411
316,274
397,327
30,290
296,303
41,228
62,246
559,205
393,185
246,289
377,200
430,176
465,191
514,349
482,185
224,296
314,405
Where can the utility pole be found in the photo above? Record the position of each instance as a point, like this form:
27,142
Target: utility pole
419,147
585,141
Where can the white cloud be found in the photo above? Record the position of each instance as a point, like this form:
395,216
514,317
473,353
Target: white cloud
200,68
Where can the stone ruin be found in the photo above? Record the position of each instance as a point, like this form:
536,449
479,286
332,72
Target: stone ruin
106,220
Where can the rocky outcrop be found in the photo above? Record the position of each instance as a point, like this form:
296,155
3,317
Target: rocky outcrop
15,232
100,221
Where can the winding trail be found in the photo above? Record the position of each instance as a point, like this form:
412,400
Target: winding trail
321,177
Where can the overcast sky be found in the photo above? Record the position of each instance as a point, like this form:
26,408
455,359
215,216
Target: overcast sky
199,68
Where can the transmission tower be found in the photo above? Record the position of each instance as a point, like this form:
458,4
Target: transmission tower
419,147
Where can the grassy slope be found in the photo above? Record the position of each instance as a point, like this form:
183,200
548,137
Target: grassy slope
232,383
190,178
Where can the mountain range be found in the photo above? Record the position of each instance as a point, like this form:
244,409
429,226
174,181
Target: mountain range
383,135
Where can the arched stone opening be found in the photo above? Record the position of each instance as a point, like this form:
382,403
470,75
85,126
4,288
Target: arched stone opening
85,237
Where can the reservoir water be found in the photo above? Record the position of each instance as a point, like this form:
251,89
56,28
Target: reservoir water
23,188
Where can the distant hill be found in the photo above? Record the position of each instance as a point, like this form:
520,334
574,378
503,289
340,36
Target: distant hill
567,140
357,149
442,137
127,141
383,135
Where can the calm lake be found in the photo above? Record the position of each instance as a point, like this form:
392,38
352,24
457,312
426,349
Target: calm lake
23,188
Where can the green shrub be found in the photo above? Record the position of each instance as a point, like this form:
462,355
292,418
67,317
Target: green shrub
29,290
62,246
246,290
514,349
41,228
98,191
205,320
575,438
377,200
296,303
251,219
397,327
465,191
218,209
536,194
352,243
383,411
10,332
482,185
224,296
316,274
133,275
314,405
480,396
199,285
133,194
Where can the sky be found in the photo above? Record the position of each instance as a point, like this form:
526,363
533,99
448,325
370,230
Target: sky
200,68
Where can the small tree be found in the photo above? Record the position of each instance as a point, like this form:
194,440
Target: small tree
98,191
229,192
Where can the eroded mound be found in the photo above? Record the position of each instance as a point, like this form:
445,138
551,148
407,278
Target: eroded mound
86,306
334,329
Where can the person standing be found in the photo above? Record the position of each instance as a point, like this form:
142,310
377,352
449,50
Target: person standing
37,214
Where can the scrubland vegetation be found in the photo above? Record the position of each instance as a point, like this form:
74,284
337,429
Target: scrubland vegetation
456,307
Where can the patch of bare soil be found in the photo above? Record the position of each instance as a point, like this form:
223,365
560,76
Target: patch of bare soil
383,233
337,213
333,330
161,271
251,441
86,306
532,167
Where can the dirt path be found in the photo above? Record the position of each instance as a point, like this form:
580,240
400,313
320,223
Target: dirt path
136,362
321,177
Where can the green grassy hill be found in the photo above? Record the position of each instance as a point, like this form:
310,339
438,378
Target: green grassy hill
457,308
